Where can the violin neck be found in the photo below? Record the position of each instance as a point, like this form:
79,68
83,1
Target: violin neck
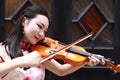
80,52
85,53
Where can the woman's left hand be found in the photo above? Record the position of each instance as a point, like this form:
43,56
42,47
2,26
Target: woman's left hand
94,61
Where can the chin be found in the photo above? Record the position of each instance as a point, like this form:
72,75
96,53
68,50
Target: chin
33,42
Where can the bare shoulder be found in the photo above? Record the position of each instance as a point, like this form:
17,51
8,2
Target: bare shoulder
2,51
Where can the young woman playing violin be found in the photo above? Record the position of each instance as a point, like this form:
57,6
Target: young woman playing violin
18,62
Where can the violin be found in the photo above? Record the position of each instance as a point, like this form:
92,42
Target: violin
49,48
68,56
74,55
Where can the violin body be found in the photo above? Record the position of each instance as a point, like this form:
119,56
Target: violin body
66,56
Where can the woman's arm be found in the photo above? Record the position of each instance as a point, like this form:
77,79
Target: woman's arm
64,69
29,60
60,69
8,66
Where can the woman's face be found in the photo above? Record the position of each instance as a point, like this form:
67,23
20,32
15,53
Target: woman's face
35,29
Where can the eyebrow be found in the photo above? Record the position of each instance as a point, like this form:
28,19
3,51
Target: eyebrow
42,24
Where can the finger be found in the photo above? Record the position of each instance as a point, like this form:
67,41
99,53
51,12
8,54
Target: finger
102,62
25,52
93,61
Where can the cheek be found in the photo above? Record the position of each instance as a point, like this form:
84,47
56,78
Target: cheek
31,29
31,36
29,32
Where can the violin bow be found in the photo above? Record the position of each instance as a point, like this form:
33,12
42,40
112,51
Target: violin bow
66,47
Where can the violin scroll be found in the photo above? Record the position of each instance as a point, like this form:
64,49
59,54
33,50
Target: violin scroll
111,64
118,68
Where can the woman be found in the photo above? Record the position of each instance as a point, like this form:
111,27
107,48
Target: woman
18,62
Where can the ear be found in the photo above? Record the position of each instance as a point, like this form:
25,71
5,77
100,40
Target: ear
24,21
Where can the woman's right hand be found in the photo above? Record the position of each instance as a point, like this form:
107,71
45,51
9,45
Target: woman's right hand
30,59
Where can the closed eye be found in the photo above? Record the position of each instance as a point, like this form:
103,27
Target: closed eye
40,26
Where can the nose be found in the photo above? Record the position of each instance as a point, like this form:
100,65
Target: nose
41,34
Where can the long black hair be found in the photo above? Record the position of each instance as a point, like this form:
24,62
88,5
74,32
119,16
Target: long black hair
12,42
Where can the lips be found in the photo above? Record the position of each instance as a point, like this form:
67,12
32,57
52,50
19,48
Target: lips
37,38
